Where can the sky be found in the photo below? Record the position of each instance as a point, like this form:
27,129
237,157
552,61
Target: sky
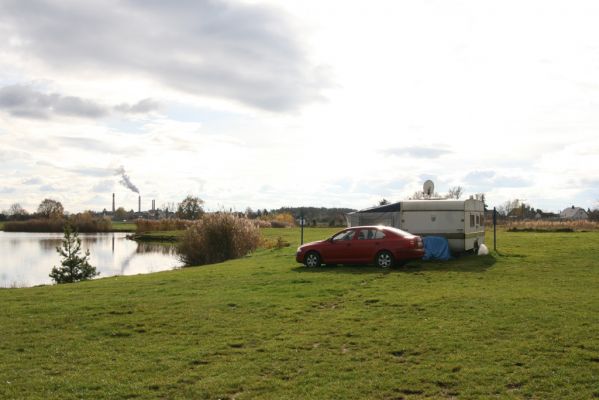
266,104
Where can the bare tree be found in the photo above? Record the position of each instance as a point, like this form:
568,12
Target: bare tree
384,202
15,210
455,192
420,195
50,208
507,207
169,208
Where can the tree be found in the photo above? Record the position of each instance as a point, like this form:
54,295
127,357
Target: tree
49,208
120,214
481,197
168,208
420,195
455,192
74,268
249,213
384,202
15,210
190,208
507,207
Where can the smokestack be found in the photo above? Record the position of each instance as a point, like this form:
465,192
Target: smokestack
139,204
113,209
153,205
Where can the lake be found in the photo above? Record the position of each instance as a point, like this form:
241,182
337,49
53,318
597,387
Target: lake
26,259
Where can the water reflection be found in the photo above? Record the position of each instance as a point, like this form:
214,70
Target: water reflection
49,244
167,248
27,258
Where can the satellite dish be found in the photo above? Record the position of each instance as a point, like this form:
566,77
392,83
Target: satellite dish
428,188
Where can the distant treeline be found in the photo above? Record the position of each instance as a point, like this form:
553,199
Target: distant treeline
85,223
314,216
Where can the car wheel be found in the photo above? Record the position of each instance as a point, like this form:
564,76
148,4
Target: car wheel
384,259
312,259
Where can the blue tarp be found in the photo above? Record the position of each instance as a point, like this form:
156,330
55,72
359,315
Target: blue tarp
436,248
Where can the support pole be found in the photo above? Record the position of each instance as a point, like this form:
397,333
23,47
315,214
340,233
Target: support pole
302,224
494,228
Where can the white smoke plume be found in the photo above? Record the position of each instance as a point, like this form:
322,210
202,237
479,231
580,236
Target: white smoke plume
125,181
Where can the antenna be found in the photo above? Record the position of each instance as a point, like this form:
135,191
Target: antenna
428,188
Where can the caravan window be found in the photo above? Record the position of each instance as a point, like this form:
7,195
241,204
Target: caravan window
471,220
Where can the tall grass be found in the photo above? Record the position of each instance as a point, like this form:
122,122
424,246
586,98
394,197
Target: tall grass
218,237
149,225
85,223
552,226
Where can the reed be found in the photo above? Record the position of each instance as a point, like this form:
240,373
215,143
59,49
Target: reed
551,226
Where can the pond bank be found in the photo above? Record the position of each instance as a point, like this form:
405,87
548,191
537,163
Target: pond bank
156,236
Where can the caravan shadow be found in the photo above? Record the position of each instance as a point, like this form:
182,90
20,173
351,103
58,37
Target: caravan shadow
466,264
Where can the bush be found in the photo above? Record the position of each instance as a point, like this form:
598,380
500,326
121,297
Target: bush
262,224
278,244
279,220
87,223
218,237
149,225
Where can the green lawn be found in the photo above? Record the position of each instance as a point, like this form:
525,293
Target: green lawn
520,324
159,236
123,226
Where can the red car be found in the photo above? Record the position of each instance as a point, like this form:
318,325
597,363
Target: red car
382,245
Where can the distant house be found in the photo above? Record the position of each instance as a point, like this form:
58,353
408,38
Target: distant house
574,213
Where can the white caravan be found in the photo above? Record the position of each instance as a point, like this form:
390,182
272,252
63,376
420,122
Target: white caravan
460,221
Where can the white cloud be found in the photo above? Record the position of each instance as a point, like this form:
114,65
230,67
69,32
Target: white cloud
241,52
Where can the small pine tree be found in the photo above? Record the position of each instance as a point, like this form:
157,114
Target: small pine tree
74,268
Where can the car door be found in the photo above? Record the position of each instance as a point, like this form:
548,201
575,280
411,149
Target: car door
340,247
371,241
364,247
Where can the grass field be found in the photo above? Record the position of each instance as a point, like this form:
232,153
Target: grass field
519,324
159,236
123,226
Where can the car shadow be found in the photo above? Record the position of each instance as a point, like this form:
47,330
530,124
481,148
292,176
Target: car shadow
464,263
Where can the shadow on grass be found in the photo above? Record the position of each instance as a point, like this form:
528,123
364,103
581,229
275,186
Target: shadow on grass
466,263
